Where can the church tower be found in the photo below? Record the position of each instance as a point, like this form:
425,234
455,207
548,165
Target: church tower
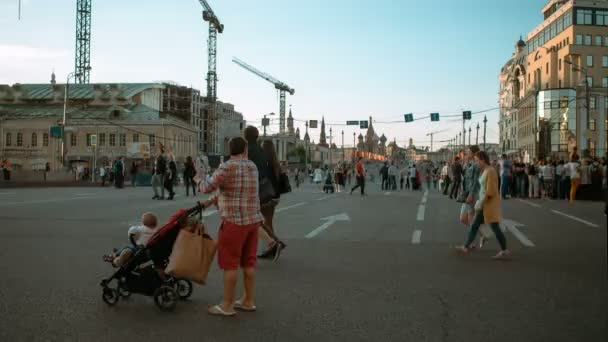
322,138
290,122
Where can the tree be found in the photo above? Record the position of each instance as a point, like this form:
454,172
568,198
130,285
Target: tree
299,152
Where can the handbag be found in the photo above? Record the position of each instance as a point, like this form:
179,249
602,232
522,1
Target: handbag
284,186
266,190
192,255
465,214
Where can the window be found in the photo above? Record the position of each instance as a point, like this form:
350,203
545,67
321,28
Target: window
589,61
605,82
554,104
135,137
559,83
605,61
9,139
560,24
548,105
592,102
591,147
592,124
553,30
579,39
123,139
547,68
598,40
584,17
601,18
559,64
567,19
102,139
19,139
606,41
73,139
587,39
88,139
590,81
34,140
152,139
112,139
45,140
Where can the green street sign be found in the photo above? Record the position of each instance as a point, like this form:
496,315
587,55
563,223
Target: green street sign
56,132
408,117
363,124
466,115
434,116
352,123
313,123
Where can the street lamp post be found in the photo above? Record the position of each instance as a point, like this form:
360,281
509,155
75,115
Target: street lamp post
485,121
477,135
330,145
265,121
469,135
587,94
65,119
343,146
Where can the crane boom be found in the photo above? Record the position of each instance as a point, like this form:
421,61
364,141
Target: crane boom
277,84
209,15
437,132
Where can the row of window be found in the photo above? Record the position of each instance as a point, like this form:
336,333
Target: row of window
591,17
101,140
33,140
550,32
587,39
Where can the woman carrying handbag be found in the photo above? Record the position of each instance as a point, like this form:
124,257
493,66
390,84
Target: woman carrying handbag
487,207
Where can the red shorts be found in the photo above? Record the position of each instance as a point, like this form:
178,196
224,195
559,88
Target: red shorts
237,246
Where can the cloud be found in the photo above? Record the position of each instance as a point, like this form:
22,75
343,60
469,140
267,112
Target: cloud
8,51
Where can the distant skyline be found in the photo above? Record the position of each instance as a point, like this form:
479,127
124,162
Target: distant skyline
346,59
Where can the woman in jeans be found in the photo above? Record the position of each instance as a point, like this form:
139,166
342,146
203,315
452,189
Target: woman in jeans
487,207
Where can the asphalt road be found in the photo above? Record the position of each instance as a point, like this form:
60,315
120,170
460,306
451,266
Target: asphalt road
383,269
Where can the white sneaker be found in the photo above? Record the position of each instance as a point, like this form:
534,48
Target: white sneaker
502,255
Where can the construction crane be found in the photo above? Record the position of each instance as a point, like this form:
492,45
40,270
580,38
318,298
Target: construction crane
280,86
82,64
215,27
432,134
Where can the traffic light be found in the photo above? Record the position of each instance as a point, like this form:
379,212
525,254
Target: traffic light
434,116
409,117
466,115
363,124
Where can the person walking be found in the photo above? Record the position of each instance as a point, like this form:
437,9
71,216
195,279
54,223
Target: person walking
505,176
238,202
103,174
384,176
560,178
392,176
171,177
533,181
119,173
548,173
160,172
573,168
456,178
445,176
47,169
487,207
189,173
360,177
268,209
411,174
133,173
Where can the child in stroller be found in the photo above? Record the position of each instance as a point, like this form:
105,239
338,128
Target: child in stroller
138,235
143,271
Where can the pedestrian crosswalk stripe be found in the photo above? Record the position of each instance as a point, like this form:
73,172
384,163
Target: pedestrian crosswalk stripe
416,236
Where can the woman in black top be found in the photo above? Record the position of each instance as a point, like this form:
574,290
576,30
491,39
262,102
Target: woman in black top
189,173
276,246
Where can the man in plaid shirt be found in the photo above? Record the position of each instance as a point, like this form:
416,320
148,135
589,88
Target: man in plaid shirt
239,206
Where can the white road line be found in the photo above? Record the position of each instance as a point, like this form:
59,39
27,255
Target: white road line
325,197
85,194
590,224
420,216
416,236
319,229
7,193
520,236
423,200
291,206
530,203
387,193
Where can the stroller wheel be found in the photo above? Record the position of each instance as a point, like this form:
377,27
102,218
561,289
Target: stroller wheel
183,288
165,298
124,293
110,296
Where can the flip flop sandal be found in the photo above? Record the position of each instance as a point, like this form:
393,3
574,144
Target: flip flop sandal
217,310
239,306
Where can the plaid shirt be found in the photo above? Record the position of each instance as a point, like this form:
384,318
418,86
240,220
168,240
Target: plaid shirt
238,200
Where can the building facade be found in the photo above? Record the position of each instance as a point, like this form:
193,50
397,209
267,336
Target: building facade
104,121
564,101
230,125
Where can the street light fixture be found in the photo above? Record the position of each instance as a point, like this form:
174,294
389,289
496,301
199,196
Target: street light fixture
265,121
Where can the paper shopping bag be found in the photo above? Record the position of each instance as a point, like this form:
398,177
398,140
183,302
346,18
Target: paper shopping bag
192,256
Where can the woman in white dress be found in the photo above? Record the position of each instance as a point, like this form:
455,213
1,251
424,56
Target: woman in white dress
318,175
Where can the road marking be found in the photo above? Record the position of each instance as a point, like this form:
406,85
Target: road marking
325,197
387,193
590,224
7,193
291,206
420,216
330,220
510,225
416,236
529,203
6,204
423,200
85,194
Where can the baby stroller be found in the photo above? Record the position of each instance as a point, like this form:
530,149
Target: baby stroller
143,273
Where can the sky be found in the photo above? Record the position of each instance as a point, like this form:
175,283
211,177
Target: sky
346,59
